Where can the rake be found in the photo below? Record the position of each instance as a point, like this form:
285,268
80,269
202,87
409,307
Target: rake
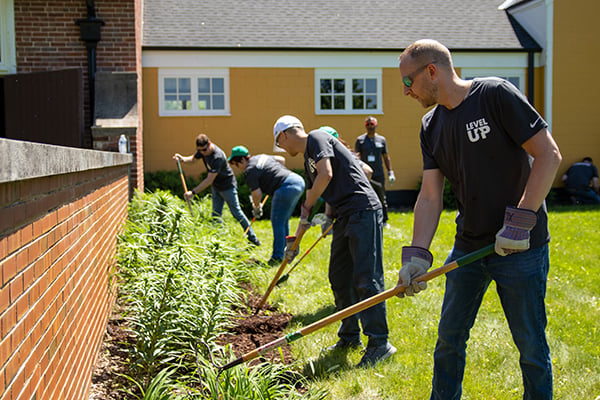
358,307
185,189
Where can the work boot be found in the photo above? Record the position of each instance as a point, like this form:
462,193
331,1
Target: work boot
344,344
375,354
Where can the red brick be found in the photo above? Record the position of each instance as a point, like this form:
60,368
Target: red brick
9,268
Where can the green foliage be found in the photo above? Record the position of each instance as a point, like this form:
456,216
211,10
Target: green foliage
171,181
179,281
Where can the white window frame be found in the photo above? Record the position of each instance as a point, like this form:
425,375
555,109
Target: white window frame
348,75
193,74
469,73
8,53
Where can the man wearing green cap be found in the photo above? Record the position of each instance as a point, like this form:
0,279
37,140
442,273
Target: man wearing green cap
267,174
221,179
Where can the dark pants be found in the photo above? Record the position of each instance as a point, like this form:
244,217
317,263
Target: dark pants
379,187
356,273
584,195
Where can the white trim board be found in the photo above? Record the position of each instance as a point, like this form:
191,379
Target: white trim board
316,59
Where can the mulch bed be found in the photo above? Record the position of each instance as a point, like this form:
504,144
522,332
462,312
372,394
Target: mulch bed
248,332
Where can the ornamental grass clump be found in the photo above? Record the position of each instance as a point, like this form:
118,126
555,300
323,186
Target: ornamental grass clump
179,280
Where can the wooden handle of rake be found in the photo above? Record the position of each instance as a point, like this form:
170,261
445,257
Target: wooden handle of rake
262,203
185,189
286,276
279,271
358,307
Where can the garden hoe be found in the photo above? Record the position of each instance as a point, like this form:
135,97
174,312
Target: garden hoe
184,186
356,308
262,203
317,219
286,276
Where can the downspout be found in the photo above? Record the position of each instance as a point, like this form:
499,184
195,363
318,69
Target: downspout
90,33
549,61
530,77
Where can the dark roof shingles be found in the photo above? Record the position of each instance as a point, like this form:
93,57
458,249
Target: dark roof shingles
331,24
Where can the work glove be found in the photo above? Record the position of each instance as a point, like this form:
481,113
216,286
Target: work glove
290,254
304,214
514,235
415,262
257,212
326,224
391,177
188,195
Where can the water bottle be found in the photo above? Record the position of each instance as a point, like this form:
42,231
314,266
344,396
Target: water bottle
123,144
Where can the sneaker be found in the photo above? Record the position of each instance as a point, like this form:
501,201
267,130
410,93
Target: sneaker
255,241
344,344
386,226
273,262
375,354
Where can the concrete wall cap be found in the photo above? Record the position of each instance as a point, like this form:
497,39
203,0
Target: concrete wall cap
26,160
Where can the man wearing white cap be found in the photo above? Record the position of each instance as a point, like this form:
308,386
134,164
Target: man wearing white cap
355,263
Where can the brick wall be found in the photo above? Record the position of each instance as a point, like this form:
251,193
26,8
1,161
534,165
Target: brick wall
57,250
47,38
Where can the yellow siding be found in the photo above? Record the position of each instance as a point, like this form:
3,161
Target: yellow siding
260,96
575,84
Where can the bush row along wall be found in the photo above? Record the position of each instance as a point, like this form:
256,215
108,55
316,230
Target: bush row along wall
57,250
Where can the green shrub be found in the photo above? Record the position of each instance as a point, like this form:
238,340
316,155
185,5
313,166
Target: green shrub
171,181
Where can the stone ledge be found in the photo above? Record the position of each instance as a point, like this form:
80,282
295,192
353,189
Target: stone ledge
21,160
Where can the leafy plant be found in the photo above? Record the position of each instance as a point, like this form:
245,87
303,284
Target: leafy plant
179,281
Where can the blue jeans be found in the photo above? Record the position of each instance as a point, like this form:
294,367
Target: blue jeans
584,196
283,203
229,196
521,285
356,273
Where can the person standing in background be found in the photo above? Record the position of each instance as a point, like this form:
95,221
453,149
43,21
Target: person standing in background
371,148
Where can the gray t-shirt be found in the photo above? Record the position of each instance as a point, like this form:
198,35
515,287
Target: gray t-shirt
371,150
266,173
217,163
477,146
349,191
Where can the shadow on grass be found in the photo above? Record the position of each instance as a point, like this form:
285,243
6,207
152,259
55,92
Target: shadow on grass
309,318
329,362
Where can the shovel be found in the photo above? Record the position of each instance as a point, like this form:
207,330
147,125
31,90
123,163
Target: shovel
184,186
358,307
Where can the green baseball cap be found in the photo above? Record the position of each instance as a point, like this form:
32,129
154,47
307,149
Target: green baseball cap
238,151
330,130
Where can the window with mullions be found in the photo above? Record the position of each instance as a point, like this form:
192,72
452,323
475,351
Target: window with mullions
348,92
193,92
516,76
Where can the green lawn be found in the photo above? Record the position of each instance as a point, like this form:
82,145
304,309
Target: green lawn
492,372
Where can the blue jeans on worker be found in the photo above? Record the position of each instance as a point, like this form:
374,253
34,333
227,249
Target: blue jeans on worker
584,195
356,273
521,285
283,203
229,196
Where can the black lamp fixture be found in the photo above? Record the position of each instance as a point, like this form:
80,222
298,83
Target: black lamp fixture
90,33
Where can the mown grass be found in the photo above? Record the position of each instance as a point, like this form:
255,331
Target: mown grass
492,372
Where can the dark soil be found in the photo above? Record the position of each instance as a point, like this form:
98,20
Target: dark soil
248,332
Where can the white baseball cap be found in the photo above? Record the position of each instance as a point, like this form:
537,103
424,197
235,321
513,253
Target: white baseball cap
283,123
